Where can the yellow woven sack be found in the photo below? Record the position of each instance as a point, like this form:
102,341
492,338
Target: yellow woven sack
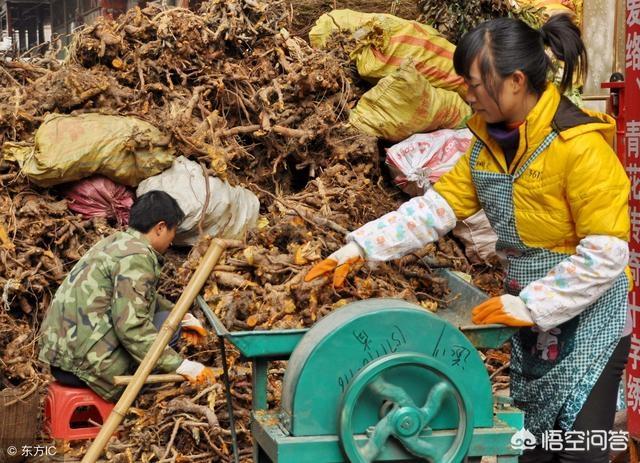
385,42
555,6
328,23
405,103
551,7
67,148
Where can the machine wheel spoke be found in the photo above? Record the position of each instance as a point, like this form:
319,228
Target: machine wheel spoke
377,440
434,401
388,391
405,421
418,446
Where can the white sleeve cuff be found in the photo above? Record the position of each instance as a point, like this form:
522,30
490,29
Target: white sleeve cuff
416,223
577,282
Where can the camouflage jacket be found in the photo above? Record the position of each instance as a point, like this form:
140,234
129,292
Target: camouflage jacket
99,324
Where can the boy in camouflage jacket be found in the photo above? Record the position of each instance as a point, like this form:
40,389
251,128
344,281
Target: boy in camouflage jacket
101,321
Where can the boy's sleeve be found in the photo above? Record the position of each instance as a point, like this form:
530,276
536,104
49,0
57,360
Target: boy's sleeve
134,285
164,304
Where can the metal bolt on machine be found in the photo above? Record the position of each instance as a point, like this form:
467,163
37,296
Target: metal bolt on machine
381,380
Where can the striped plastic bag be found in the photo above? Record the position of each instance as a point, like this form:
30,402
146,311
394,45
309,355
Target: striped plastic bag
405,103
419,161
385,42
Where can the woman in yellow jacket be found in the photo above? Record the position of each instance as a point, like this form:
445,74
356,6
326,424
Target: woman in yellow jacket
556,195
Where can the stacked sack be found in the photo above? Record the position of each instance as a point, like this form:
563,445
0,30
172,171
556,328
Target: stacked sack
211,205
97,157
417,89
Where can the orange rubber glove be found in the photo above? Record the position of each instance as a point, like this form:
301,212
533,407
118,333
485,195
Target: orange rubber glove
506,310
192,330
342,260
196,372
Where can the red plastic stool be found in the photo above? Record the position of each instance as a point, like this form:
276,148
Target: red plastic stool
67,411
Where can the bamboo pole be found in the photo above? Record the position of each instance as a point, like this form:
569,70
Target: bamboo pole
148,363
151,379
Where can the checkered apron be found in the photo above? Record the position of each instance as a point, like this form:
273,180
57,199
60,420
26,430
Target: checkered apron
548,391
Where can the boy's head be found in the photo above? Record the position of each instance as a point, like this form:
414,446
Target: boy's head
157,215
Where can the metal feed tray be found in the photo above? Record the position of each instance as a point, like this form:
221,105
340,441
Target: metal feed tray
463,297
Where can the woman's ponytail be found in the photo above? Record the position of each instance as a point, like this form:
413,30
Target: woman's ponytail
562,36
506,45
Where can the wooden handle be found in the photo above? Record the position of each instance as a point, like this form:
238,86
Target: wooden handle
151,379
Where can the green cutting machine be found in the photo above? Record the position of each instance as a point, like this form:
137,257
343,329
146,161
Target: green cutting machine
381,380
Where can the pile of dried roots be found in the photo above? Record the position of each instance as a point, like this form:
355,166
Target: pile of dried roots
257,106
454,18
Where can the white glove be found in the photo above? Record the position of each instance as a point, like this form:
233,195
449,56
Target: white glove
196,372
341,261
193,331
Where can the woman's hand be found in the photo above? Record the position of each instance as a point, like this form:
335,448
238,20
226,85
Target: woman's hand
342,260
506,310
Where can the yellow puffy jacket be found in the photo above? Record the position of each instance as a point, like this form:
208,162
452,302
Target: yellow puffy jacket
575,188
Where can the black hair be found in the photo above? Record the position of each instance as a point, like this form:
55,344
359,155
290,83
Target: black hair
506,45
152,208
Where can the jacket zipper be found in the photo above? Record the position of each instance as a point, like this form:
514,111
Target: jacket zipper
485,145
